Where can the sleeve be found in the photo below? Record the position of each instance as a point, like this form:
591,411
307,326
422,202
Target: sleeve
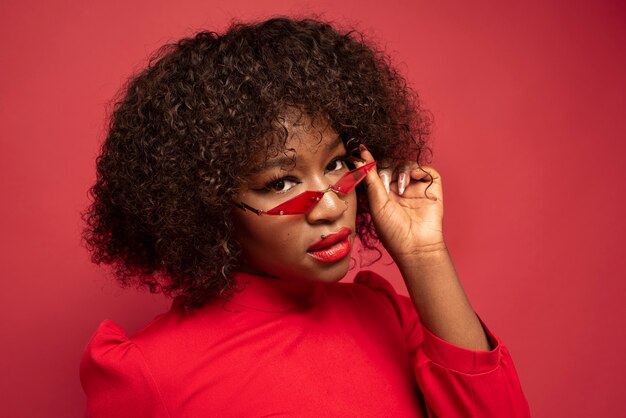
116,378
455,382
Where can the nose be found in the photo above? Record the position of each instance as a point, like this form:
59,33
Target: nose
329,208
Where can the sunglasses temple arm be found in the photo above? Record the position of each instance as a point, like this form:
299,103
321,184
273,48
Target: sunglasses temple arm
245,207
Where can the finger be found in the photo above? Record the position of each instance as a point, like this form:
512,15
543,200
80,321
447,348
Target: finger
404,177
376,191
422,190
425,174
428,177
385,171
385,176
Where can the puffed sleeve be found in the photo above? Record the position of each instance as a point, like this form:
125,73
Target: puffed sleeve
455,382
116,378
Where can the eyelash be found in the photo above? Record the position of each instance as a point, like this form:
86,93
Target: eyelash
347,160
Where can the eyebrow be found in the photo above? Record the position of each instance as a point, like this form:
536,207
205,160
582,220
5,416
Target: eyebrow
284,161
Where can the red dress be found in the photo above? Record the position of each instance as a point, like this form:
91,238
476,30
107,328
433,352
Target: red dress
314,350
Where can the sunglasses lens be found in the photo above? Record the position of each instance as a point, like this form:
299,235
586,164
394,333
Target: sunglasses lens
300,204
304,202
348,182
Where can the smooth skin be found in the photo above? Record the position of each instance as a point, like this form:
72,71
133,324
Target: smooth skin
409,222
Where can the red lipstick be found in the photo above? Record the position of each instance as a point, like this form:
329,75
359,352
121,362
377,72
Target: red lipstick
333,247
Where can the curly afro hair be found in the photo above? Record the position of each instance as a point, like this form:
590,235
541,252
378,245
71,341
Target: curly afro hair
183,134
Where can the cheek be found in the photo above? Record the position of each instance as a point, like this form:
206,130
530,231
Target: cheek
267,248
353,206
260,234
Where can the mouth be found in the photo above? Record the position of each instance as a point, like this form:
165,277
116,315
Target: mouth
333,247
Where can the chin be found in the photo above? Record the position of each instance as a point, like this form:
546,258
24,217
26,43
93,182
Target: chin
331,273
306,269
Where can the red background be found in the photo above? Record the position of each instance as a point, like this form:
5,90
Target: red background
529,106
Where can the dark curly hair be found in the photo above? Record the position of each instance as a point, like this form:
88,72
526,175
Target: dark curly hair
185,130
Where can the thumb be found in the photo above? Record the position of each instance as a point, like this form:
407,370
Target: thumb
376,193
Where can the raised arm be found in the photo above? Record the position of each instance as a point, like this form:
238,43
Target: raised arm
408,215
461,367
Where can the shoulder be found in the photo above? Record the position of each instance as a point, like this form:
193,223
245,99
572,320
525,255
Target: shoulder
108,344
381,289
374,281
149,353
115,376
111,352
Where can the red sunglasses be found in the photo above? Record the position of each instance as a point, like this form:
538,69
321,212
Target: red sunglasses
306,201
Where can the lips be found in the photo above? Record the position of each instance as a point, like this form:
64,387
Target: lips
331,239
332,248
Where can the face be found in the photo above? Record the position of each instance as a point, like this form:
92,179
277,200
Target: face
290,246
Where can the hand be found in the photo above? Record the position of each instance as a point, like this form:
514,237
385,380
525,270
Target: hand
407,210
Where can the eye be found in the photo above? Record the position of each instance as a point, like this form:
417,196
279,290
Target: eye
281,185
337,165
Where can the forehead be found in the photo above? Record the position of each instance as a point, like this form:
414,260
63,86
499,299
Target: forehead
305,133
303,139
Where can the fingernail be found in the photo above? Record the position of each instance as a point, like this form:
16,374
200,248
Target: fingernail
401,182
385,179
362,147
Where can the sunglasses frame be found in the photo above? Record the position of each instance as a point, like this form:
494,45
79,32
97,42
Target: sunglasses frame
314,196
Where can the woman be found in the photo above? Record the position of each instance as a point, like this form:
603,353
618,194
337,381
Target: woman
236,174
